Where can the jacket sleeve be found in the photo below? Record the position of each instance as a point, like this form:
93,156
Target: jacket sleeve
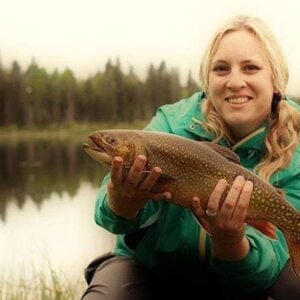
267,257
258,270
106,218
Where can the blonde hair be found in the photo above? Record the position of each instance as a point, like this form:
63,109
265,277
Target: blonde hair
284,121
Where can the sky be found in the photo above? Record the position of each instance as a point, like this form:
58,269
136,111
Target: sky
84,34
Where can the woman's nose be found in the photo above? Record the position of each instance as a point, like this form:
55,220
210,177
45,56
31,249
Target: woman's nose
235,81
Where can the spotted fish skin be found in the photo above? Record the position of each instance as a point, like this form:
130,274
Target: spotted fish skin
191,168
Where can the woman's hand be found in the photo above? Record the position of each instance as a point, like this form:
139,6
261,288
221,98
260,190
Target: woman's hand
128,195
226,222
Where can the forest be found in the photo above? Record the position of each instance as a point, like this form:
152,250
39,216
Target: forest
35,97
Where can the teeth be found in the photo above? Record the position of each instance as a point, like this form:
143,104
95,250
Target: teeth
238,100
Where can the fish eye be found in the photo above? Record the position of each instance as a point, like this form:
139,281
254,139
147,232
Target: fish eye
110,140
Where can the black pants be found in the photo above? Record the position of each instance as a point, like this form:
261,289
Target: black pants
120,278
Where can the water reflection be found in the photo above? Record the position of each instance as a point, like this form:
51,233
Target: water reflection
39,168
47,197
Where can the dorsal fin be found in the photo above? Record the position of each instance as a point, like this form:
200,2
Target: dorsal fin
229,154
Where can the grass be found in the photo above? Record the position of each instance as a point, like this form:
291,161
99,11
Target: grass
44,282
57,287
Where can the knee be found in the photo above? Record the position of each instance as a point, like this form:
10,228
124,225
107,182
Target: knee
119,278
94,292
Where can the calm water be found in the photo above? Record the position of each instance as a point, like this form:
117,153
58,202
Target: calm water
47,197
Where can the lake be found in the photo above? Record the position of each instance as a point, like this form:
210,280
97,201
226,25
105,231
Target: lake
47,198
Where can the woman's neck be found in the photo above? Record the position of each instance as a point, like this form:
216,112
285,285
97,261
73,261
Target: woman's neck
240,132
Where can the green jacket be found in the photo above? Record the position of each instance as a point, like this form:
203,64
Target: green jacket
170,241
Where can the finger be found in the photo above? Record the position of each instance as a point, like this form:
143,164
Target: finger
213,204
151,179
196,207
240,211
135,172
231,199
116,170
200,214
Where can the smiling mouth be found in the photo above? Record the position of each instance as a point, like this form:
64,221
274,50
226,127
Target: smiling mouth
238,100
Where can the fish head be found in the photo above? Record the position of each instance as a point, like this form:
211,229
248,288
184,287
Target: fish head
106,144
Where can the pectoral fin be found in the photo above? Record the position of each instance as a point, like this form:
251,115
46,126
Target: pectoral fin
164,183
265,227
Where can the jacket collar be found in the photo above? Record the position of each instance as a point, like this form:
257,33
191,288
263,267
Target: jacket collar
194,125
255,140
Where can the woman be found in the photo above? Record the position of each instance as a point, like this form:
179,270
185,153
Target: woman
161,251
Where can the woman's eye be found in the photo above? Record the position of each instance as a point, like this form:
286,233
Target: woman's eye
251,68
221,69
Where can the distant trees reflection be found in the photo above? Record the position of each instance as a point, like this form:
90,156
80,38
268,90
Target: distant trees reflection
36,169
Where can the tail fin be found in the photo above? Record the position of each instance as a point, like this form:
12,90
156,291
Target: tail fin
294,250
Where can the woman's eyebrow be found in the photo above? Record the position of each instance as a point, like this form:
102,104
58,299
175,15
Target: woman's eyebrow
253,61
219,61
246,61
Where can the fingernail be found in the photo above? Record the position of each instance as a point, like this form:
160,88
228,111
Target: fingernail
249,183
118,159
157,169
142,157
223,182
195,203
168,195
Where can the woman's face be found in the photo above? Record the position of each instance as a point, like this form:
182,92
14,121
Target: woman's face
240,83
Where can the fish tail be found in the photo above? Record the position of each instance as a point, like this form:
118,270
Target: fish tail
294,250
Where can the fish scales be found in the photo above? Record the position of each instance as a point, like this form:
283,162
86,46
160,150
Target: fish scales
192,168
202,160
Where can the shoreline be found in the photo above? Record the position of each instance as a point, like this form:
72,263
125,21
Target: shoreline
72,131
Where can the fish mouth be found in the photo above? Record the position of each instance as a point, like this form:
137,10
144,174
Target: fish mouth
97,152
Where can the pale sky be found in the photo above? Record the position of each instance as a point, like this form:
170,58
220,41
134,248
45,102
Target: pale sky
84,34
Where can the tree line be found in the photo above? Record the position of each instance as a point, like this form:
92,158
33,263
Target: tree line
34,97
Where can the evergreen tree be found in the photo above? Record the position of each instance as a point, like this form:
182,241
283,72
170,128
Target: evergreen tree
69,95
38,98
191,86
3,85
36,80
13,98
54,98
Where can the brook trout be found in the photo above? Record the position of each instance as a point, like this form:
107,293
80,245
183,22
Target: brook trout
191,168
